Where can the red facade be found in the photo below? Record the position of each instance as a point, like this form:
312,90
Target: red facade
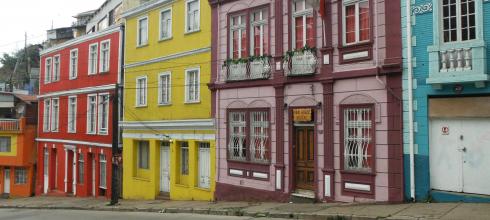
75,115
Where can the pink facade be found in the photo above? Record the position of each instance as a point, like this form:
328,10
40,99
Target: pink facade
333,127
77,86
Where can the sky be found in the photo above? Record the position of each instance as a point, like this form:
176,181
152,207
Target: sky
35,17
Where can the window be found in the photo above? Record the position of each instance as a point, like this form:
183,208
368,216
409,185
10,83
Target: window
81,172
92,59
192,85
20,175
192,19
166,24
184,158
358,139
259,43
238,33
72,114
5,144
73,64
356,21
103,119
48,70
103,171
164,86
142,38
303,25
141,91
55,113
104,56
252,125
46,115
91,113
103,24
143,154
56,68
459,20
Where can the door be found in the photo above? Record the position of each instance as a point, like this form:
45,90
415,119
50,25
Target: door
304,158
46,170
6,185
165,167
458,148
204,165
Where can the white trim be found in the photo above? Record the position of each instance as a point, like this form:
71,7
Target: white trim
169,74
71,65
55,121
46,116
236,172
198,15
304,14
278,179
144,7
58,72
74,120
47,74
64,141
326,190
101,70
99,121
78,91
196,124
137,90
88,112
357,186
170,34
260,175
198,99
90,60
354,55
138,44
144,136
169,57
81,39
357,22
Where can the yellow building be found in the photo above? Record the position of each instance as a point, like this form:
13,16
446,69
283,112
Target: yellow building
168,133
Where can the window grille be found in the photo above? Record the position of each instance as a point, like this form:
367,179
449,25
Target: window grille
358,139
237,149
259,137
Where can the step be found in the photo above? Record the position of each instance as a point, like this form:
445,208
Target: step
5,196
303,196
163,196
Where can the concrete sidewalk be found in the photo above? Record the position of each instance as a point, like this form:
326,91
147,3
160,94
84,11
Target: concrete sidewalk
273,210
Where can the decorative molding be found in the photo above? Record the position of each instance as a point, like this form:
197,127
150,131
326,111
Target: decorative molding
422,8
144,7
357,186
73,142
236,172
356,55
79,91
163,136
260,175
196,124
169,57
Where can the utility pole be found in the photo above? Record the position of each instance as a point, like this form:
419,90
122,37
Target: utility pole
115,147
26,58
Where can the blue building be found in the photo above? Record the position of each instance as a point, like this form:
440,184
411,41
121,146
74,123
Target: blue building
447,99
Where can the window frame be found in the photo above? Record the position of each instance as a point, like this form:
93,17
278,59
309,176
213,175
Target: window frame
73,74
187,86
72,100
138,33
242,27
459,29
160,30
47,115
56,71
8,149
81,169
186,28
142,164
265,23
169,88
346,3
100,129
20,178
55,121
48,73
88,113
94,61
304,13
101,58
138,89
102,165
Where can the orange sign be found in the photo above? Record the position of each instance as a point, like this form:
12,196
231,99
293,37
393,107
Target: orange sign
302,115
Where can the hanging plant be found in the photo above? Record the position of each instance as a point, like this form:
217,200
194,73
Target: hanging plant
304,49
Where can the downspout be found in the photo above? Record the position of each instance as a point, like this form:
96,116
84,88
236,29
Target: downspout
410,98
217,111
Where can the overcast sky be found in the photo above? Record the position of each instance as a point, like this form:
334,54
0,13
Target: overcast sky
35,17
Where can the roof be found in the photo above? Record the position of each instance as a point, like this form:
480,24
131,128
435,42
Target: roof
26,98
85,13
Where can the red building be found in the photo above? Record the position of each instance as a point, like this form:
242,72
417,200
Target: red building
77,84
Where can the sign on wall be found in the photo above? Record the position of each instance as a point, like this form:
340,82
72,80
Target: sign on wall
302,115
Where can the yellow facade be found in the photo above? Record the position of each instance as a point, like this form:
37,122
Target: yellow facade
174,122
13,145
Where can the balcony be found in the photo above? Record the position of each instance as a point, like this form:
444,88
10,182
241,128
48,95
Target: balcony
7,125
300,63
457,63
248,69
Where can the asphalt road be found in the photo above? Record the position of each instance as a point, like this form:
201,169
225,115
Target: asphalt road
29,214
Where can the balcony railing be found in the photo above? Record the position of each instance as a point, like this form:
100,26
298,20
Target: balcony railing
300,63
248,69
9,124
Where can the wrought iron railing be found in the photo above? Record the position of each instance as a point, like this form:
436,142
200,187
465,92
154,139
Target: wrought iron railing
300,63
248,69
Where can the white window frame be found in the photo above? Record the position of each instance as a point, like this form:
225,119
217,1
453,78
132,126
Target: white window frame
102,175
242,26
101,58
345,4
93,61
81,168
55,115
263,23
303,13
184,158
88,114
47,115
56,71
20,175
48,72
187,29
168,87
100,129
72,114
145,92
138,34
73,64
459,30
187,87
161,37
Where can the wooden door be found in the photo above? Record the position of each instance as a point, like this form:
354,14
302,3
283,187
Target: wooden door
304,158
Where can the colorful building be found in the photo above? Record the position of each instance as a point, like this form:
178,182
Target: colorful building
446,100
168,136
18,121
307,100
77,87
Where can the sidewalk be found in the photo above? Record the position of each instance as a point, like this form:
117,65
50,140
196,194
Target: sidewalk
272,210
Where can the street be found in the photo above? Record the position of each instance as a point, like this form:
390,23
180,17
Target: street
37,214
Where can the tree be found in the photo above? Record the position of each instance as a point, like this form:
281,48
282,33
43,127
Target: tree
9,61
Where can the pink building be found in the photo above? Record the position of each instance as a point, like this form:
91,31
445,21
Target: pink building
307,100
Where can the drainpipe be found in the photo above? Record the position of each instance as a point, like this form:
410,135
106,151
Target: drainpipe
410,99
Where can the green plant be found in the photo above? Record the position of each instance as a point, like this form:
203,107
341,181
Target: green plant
304,49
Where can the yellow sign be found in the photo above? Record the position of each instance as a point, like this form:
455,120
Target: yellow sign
302,115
